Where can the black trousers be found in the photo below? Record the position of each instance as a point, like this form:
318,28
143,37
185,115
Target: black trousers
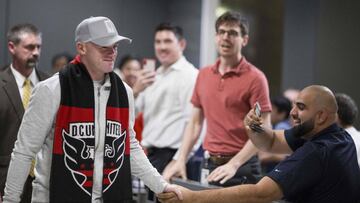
248,173
27,192
159,158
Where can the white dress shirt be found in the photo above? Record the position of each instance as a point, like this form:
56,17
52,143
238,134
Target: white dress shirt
166,105
356,137
20,79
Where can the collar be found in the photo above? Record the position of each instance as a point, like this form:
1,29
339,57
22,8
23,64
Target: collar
351,130
332,128
76,60
178,65
241,67
20,79
106,82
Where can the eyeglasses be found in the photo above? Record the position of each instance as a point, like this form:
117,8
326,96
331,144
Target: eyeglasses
230,33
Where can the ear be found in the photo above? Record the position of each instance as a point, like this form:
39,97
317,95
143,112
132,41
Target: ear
245,40
80,48
321,117
11,47
182,43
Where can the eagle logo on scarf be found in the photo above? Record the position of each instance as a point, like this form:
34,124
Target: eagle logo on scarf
79,149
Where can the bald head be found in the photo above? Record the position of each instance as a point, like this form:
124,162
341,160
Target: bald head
315,109
322,98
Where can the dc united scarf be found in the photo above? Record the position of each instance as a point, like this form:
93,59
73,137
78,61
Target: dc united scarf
71,177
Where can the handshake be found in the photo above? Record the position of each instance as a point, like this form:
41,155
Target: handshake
174,194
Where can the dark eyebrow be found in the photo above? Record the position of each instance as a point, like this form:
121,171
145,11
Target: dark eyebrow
32,46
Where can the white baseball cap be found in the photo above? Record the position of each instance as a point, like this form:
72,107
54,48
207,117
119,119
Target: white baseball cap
98,30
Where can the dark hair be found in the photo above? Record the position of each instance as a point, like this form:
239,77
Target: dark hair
231,17
170,27
125,59
283,104
347,109
16,31
68,57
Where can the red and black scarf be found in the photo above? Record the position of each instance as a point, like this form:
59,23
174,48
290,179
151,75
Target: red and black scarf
71,177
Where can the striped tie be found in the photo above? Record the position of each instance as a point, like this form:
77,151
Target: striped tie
25,101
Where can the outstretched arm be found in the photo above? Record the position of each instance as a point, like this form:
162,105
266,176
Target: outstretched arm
266,190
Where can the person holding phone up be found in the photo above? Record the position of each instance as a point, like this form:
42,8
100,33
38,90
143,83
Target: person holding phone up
322,168
164,95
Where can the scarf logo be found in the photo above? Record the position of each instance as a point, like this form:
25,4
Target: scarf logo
79,153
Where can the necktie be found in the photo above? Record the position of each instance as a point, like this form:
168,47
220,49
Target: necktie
26,93
25,101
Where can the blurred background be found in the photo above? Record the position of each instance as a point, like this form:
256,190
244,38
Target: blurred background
294,42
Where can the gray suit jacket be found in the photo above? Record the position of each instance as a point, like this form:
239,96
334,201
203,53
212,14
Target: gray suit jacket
11,113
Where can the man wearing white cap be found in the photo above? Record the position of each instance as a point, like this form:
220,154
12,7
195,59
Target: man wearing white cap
79,126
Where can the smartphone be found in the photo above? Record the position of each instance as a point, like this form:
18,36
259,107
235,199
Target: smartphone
149,64
254,127
257,109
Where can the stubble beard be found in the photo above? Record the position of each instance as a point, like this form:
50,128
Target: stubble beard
304,128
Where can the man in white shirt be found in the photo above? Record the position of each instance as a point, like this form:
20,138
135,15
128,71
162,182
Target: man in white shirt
347,114
164,96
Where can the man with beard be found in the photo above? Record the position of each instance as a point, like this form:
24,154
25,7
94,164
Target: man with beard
16,82
323,165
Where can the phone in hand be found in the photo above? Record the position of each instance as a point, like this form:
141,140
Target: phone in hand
255,127
149,64
257,109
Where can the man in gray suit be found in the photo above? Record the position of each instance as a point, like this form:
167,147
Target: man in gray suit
16,83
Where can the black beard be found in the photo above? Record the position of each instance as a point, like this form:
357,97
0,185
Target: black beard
303,128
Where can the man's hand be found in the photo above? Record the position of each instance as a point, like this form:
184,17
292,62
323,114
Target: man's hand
223,173
144,79
253,122
171,192
175,168
168,197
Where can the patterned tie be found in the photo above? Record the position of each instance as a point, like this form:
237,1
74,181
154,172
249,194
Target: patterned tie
25,101
26,93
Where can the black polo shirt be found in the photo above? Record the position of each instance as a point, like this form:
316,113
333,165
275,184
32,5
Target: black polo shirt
323,169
